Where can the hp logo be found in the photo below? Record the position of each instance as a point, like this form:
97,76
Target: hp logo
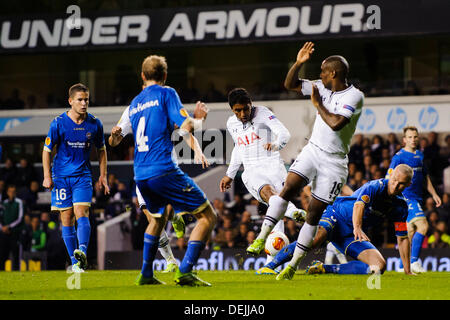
428,118
367,120
396,119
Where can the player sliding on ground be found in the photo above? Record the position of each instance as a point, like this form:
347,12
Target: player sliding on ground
73,133
347,220
153,115
258,137
323,161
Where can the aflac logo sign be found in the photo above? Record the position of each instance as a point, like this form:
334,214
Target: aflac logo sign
367,120
428,118
397,118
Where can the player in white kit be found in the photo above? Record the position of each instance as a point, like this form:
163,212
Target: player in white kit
258,136
323,161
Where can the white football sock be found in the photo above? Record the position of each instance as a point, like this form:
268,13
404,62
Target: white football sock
164,248
276,210
304,242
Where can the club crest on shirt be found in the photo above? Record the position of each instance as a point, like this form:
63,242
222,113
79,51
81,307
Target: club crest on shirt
47,141
184,113
365,198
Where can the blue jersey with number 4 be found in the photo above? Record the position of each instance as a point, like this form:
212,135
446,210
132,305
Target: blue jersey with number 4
152,116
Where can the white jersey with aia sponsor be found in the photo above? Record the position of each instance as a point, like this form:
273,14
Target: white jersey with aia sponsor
250,137
347,103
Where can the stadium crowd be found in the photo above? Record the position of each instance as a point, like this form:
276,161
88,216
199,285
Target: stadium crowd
26,224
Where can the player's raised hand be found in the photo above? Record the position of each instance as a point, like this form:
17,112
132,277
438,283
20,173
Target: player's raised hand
201,110
315,96
360,235
305,52
48,183
225,183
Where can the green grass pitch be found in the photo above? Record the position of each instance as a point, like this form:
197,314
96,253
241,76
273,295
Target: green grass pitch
227,285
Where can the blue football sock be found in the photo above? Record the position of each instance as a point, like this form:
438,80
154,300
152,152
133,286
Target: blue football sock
149,253
416,246
352,267
69,236
191,256
83,233
283,256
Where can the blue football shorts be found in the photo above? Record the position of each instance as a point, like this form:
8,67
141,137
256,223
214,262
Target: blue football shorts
70,191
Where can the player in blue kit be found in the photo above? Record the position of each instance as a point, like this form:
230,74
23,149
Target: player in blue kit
73,133
416,222
345,224
154,114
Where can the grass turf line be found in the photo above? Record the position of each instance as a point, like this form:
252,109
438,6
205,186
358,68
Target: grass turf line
227,285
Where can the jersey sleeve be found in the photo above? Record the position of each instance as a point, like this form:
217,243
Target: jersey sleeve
52,138
176,112
124,123
350,104
369,192
276,127
99,139
235,163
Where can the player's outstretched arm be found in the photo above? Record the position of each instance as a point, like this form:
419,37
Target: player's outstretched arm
225,183
102,160
358,211
404,248
199,157
46,159
292,82
433,192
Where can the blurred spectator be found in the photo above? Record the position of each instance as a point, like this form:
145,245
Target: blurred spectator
2,190
229,240
9,172
445,152
431,159
367,162
221,237
377,145
27,233
251,236
100,199
393,144
25,174
429,204
39,237
45,220
14,101
55,246
246,218
433,219
439,238
181,244
356,150
241,238
11,224
30,195
237,206
423,143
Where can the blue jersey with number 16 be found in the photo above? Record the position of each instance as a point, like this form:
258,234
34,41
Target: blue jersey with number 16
152,115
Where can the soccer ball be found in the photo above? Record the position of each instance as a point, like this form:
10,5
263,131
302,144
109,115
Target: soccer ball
275,242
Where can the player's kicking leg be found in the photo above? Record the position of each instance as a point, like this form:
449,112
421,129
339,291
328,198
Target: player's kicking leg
416,233
206,220
278,205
